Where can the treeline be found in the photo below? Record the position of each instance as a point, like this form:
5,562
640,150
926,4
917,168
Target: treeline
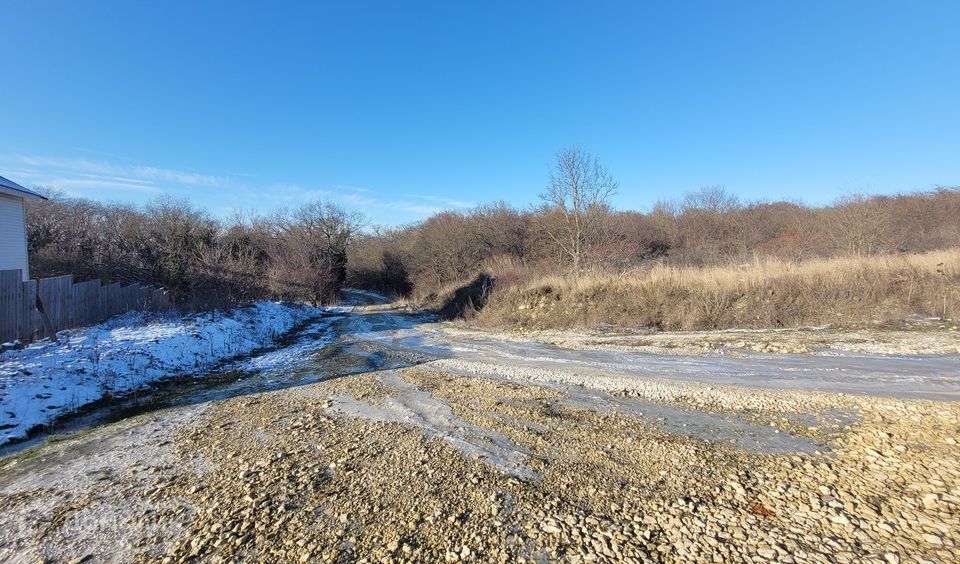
704,228
309,253
296,254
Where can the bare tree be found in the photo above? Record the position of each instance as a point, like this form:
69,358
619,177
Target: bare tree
310,250
709,222
576,198
712,199
859,224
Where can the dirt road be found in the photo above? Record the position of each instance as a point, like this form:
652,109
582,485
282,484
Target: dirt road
402,440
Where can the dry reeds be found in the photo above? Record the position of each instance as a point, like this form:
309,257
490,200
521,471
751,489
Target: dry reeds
760,294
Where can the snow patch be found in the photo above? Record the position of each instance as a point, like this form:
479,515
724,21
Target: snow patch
47,380
309,341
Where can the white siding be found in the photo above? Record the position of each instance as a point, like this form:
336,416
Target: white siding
13,236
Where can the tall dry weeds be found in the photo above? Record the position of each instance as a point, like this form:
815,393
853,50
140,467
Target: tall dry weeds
760,294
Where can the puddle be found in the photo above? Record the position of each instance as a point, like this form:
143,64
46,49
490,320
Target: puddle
716,428
935,377
409,404
726,429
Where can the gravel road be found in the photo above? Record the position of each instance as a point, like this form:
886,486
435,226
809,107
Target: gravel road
407,440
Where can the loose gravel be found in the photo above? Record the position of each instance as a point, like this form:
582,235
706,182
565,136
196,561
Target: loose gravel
293,476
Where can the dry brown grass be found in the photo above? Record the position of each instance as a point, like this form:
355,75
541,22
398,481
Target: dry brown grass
761,294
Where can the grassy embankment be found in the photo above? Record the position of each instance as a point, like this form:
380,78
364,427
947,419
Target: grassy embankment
766,293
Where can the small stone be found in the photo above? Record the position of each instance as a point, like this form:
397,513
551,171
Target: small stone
839,519
932,539
767,553
550,529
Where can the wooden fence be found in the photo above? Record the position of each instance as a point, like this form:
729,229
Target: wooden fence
66,304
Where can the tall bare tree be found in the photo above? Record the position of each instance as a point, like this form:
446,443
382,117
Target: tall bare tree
310,250
576,198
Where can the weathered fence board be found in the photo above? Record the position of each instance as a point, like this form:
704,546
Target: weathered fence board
85,303
159,300
30,326
11,296
110,300
55,294
67,304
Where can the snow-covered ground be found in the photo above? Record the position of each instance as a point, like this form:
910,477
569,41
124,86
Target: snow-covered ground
46,380
310,339
355,296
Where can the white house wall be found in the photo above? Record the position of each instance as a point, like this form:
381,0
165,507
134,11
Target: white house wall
13,236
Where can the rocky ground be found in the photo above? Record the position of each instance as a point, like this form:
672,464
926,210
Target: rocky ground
423,464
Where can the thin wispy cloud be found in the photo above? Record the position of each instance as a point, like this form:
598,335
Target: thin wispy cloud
372,203
139,183
359,189
366,198
447,202
72,174
80,184
75,186
285,194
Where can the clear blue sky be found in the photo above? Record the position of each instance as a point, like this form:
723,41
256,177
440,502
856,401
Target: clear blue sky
402,108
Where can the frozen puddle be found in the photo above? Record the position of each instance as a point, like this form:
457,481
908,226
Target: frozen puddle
930,376
691,423
716,428
411,405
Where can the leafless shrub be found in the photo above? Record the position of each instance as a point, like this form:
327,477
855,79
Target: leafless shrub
203,262
860,225
307,251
